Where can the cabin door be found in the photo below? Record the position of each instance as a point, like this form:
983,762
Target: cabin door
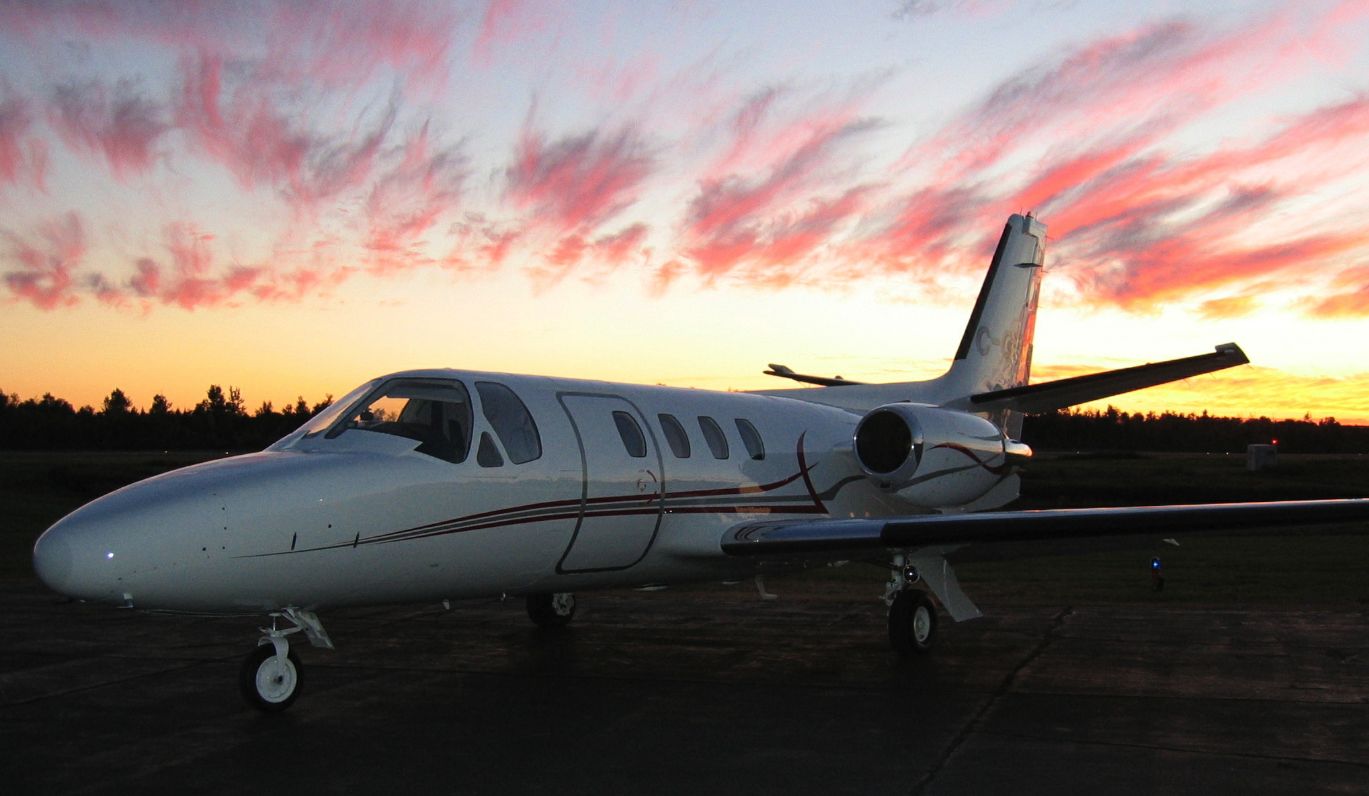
620,509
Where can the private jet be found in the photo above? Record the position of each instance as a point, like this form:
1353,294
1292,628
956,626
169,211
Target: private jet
436,485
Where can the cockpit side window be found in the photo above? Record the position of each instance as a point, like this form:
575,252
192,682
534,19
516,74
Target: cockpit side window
512,422
436,412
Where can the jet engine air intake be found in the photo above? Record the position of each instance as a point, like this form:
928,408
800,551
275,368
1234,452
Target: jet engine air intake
888,442
908,448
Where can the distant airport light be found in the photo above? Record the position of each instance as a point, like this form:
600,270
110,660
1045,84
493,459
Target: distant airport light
1157,574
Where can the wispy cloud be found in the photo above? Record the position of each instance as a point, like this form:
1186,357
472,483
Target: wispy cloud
577,182
504,24
406,201
121,124
245,128
47,259
767,201
1349,295
23,156
319,112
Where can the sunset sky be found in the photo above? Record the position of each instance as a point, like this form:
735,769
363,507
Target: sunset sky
294,197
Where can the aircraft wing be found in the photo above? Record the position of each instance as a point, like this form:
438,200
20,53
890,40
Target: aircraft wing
1059,394
781,538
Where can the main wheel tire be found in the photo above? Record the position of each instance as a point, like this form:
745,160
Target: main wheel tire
270,684
912,623
551,610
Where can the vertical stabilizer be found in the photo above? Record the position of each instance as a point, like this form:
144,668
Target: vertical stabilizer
995,350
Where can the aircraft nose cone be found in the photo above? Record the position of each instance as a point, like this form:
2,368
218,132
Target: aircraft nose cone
52,559
76,557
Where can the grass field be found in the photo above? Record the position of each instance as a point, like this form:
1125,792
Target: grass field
1320,566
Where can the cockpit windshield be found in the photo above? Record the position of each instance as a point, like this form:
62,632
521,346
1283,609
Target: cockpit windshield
320,422
436,412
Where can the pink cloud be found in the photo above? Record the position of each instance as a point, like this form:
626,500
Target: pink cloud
772,251
147,283
340,45
505,23
576,183
121,124
1229,307
1121,233
1179,266
722,206
46,266
246,129
1349,297
666,275
258,146
568,251
761,223
606,252
105,292
190,281
23,157
346,44
405,203
622,245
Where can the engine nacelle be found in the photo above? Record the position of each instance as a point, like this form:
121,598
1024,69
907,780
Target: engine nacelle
936,458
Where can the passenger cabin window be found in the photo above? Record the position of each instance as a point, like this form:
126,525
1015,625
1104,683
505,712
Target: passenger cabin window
512,422
631,434
751,438
437,413
713,435
675,436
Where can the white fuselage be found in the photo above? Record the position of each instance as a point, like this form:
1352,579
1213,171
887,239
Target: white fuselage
365,517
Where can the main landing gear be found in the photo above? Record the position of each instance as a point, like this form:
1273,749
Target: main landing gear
551,610
271,675
912,614
912,622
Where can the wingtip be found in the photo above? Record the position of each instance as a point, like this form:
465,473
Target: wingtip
1234,351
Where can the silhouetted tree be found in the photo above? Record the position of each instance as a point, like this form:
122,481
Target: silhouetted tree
219,422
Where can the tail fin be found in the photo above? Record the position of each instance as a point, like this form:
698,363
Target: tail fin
995,351
993,363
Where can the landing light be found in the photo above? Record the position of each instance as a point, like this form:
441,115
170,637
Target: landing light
109,555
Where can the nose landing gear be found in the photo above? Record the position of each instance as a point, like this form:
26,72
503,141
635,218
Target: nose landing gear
271,675
270,682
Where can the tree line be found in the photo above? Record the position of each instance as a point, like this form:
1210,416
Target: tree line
222,422
219,422
1110,429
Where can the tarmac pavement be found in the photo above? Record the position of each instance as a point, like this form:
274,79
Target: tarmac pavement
699,691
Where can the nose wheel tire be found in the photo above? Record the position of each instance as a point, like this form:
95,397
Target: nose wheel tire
551,610
912,623
269,682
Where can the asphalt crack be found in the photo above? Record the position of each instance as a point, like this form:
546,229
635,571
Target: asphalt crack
971,726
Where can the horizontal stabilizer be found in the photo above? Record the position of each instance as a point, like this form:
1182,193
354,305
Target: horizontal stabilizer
805,537
824,381
1052,395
